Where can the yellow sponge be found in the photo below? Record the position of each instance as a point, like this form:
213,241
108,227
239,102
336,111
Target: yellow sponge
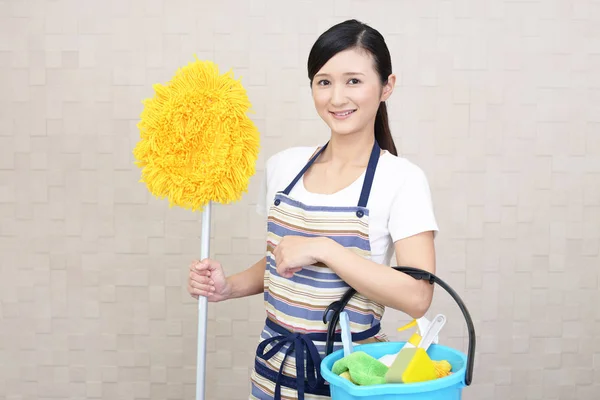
346,375
443,368
411,365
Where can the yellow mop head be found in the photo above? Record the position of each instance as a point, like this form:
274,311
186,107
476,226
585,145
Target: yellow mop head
197,143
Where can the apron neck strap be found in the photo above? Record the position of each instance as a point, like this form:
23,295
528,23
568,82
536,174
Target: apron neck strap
370,174
306,167
368,182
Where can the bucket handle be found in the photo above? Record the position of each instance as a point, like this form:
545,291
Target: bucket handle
338,306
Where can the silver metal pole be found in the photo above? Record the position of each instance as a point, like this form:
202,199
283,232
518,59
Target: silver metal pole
203,309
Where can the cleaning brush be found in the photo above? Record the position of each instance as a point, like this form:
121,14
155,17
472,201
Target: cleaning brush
413,364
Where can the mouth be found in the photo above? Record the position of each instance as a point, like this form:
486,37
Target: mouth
342,114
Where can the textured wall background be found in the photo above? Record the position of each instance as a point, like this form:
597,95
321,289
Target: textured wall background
498,101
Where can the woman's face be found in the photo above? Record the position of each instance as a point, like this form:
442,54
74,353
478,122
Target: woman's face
347,92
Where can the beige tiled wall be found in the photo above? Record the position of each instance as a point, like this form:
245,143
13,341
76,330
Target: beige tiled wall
498,101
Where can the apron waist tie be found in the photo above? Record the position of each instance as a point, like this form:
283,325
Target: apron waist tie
301,344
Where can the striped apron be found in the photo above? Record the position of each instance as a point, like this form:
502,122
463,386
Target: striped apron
292,343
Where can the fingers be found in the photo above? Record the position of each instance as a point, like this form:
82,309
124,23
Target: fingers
285,271
197,289
201,279
201,267
197,292
210,264
200,285
288,273
197,265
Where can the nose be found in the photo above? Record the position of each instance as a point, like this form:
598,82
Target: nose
338,96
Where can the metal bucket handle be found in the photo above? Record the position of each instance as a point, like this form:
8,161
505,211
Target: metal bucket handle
338,306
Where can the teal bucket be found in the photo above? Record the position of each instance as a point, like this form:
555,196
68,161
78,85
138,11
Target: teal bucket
446,388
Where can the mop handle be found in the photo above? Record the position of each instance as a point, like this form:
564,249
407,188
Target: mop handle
203,309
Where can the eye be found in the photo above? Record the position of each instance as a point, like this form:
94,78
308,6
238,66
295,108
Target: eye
354,81
323,82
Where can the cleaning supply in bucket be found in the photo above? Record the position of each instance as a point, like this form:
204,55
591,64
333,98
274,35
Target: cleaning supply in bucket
361,369
442,368
423,324
413,363
366,375
448,388
411,366
364,370
346,333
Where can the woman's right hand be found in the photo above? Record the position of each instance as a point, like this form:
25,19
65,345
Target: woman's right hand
207,279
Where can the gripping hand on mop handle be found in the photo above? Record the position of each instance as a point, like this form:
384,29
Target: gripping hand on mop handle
207,279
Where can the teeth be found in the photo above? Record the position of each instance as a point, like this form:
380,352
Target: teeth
344,114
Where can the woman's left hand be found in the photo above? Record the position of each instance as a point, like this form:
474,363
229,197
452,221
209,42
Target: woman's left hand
295,252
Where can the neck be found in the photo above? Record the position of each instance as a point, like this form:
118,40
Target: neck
349,150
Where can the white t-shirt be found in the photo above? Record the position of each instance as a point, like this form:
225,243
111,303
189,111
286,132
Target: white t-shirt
399,203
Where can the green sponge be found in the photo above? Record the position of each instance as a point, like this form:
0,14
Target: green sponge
364,370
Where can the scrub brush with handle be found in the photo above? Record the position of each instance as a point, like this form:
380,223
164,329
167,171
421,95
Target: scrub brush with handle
413,364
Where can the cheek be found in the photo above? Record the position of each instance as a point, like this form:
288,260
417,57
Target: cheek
368,103
368,98
321,99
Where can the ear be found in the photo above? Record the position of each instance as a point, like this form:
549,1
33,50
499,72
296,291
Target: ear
388,88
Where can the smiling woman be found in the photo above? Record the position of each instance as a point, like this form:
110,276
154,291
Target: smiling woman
353,97
352,55
336,213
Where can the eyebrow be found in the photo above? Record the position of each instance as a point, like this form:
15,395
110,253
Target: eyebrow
346,73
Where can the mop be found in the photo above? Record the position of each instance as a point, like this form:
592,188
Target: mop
198,147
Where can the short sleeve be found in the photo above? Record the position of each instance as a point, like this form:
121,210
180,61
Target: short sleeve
262,196
280,169
412,208
261,201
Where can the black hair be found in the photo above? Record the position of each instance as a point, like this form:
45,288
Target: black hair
355,34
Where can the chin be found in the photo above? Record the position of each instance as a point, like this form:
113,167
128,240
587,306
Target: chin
343,131
340,127
344,128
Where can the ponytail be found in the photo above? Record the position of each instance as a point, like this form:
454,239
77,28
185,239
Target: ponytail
383,134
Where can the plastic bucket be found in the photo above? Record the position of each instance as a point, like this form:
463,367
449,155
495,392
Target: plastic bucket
446,388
